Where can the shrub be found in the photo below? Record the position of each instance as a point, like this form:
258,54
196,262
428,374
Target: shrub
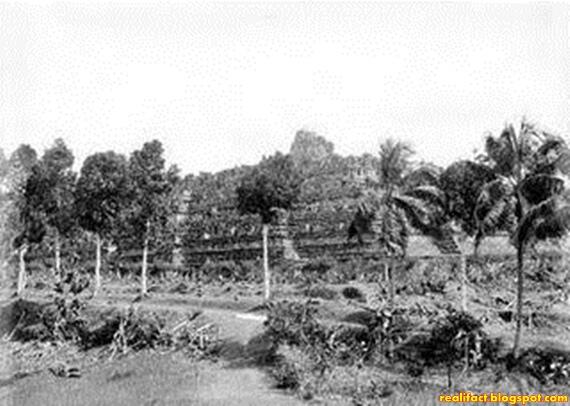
288,368
293,323
352,292
454,338
549,366
60,320
137,331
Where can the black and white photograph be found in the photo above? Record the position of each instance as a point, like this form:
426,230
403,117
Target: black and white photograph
284,203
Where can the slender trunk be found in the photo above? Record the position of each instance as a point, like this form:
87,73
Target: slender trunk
520,289
97,264
57,254
390,281
388,272
22,270
266,273
520,257
386,278
144,267
463,276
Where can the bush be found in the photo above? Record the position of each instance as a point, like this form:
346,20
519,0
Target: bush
549,366
289,367
293,323
61,320
352,292
136,331
454,338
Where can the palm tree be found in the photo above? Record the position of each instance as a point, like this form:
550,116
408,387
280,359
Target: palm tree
526,197
389,214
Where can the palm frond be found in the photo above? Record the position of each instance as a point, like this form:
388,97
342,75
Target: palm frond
391,232
394,160
537,188
535,218
553,156
494,190
430,221
425,175
555,226
502,150
492,194
367,208
495,209
415,210
431,194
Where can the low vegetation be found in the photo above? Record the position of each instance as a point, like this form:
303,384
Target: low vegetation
380,354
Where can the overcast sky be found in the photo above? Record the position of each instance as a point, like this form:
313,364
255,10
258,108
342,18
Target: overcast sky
224,84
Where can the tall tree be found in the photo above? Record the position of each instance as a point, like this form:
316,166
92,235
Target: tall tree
58,183
151,205
273,184
461,184
57,162
24,225
100,197
531,167
388,212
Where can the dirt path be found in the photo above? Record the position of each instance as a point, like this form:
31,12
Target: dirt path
149,378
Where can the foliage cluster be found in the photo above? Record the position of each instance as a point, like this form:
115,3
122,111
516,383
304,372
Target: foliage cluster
549,366
307,353
61,320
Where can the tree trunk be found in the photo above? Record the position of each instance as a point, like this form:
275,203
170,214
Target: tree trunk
22,270
389,276
144,267
57,254
266,273
520,288
390,281
97,264
463,276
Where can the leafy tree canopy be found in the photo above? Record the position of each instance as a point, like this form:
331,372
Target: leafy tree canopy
150,192
462,183
102,191
53,183
274,183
